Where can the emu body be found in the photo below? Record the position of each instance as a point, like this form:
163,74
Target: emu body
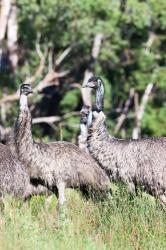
134,162
14,179
59,164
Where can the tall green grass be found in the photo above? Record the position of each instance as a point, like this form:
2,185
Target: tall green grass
122,222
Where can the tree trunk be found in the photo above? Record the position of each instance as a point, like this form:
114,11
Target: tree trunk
4,15
12,36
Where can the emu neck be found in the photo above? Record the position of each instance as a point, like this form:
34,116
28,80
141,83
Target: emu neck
99,131
89,120
23,134
23,102
100,98
83,130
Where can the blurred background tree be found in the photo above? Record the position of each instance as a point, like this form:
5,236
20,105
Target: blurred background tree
50,44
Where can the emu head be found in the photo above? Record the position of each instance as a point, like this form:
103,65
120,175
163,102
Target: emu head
26,89
94,82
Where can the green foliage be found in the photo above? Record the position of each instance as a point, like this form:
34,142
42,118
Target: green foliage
70,100
126,59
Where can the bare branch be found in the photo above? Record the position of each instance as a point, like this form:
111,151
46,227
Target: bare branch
136,102
141,110
63,56
53,119
49,119
97,45
47,81
50,61
40,68
51,78
38,48
10,98
75,85
73,113
125,110
152,37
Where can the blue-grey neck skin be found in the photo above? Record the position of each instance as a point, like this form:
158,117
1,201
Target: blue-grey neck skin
100,96
23,101
84,130
89,120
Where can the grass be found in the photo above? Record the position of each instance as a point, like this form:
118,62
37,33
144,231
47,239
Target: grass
122,222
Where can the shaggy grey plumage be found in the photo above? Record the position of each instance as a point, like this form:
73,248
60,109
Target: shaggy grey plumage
14,179
82,138
133,162
59,164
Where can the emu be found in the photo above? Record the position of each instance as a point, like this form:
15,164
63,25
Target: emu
14,179
134,162
58,165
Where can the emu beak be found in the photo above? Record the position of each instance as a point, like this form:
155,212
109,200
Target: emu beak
30,90
89,84
84,85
